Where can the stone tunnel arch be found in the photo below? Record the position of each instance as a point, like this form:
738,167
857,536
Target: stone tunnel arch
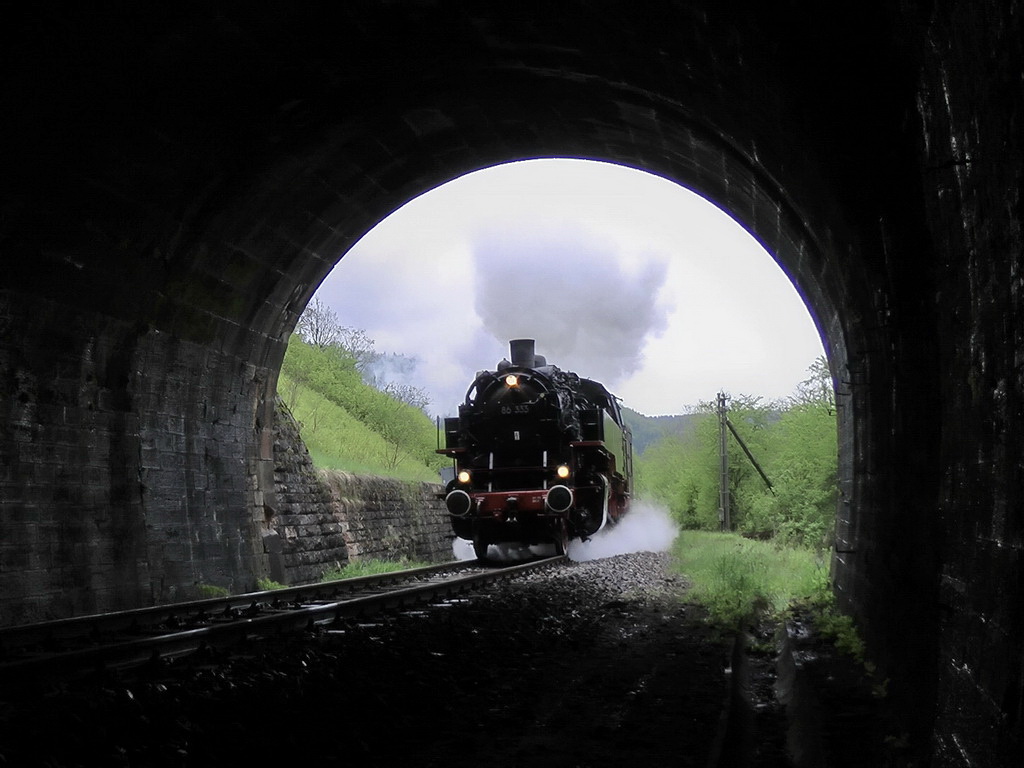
237,210
815,256
178,182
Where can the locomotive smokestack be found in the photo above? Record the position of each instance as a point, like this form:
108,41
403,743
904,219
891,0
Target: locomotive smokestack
523,352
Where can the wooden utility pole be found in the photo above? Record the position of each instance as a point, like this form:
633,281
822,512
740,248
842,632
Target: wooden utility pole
723,453
724,427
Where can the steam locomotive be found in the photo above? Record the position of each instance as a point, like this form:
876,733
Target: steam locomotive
541,455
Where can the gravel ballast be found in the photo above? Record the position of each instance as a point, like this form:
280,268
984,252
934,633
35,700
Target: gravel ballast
598,663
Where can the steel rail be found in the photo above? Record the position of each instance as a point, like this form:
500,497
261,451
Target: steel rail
264,621
137,619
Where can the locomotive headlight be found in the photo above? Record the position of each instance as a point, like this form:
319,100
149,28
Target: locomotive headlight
464,476
511,380
562,471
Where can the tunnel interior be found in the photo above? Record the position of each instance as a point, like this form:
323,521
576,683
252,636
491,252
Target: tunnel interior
179,182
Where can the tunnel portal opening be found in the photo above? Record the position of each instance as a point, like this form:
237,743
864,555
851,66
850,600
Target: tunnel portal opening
618,275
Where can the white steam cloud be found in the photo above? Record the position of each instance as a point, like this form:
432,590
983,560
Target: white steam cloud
647,528
570,292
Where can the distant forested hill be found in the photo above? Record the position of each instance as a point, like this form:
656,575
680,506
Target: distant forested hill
649,429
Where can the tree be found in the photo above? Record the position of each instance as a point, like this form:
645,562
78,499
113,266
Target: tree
296,380
359,347
817,389
408,394
319,325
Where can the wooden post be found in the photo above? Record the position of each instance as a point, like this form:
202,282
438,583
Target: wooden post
723,453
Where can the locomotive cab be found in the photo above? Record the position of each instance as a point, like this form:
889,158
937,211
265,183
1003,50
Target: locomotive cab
540,455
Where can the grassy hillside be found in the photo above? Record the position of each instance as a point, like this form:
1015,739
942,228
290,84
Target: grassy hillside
348,425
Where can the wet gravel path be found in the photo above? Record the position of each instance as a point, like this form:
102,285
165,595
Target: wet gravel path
588,664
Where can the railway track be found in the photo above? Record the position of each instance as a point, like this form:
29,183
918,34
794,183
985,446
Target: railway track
577,665
126,638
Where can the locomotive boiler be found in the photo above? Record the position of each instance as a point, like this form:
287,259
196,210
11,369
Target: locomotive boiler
541,456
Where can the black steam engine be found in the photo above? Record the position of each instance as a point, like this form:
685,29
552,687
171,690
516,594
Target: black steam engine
541,455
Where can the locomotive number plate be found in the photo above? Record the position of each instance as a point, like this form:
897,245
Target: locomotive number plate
511,410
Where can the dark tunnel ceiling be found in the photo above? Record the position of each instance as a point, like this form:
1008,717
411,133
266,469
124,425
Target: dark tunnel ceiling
273,141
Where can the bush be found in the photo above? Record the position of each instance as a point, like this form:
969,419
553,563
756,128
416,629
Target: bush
739,580
795,443
370,568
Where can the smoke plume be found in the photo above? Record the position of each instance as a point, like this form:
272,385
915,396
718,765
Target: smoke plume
570,292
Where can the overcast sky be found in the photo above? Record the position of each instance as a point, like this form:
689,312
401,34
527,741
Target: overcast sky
621,276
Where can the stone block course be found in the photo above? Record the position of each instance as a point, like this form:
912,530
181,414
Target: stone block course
326,519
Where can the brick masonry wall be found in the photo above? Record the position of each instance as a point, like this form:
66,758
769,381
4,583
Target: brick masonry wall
319,520
128,472
971,106
386,519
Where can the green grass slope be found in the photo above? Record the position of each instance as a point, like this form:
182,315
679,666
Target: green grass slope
350,426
